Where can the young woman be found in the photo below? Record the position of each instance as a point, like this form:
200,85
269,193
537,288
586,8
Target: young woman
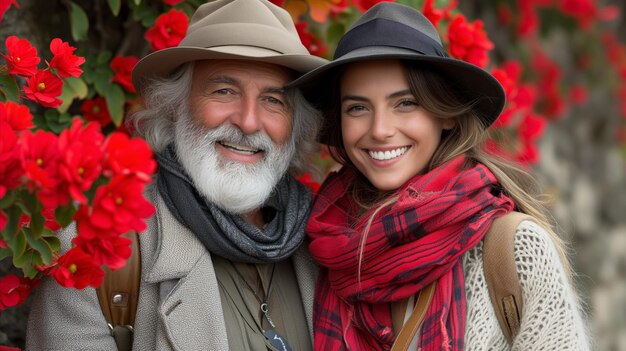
415,196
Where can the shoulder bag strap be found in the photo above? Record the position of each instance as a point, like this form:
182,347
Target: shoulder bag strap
410,328
501,272
118,295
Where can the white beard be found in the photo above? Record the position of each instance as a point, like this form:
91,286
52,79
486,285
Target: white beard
233,186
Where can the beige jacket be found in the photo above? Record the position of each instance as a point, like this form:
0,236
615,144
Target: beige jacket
179,301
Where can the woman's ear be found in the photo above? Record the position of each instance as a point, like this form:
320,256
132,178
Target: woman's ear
448,123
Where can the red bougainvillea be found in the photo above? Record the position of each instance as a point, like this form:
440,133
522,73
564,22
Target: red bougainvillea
21,56
76,269
64,61
44,88
122,66
169,29
96,110
468,41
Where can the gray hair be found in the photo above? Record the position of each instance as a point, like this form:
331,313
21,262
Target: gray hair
165,97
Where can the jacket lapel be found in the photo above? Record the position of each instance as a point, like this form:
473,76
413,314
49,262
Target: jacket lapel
191,312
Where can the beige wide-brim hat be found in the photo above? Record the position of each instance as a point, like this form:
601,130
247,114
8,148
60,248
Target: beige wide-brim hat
394,31
255,30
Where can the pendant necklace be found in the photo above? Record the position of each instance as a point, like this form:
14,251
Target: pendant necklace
272,336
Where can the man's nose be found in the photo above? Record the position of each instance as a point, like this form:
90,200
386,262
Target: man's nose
247,118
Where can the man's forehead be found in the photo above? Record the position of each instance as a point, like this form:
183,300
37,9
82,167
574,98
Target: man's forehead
242,71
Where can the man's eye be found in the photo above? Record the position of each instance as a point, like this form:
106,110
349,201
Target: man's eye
224,91
273,100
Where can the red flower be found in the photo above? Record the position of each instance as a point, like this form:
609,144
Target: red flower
578,94
44,88
64,60
13,290
40,157
3,221
76,269
307,180
17,116
169,29
118,207
172,2
96,110
10,164
4,6
122,67
314,45
127,156
121,205
469,42
433,14
81,158
364,5
110,251
21,56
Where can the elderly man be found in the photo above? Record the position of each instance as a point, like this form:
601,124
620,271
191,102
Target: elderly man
222,262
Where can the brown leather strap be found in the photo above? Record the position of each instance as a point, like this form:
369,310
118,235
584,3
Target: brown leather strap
119,292
501,272
416,319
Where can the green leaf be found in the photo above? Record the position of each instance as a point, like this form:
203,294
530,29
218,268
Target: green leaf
4,253
37,221
65,214
17,243
137,2
72,89
27,263
78,21
115,102
52,239
144,14
115,6
7,200
78,86
57,122
8,88
12,226
334,32
40,245
102,82
103,58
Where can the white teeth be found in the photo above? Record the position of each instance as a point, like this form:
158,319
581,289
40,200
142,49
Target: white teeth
387,155
239,148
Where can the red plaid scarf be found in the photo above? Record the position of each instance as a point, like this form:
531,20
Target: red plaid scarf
419,239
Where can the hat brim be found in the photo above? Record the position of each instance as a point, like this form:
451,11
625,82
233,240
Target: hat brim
471,81
164,62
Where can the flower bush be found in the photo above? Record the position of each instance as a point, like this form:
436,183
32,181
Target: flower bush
67,159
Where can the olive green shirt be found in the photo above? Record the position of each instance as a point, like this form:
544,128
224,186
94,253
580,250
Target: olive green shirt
245,322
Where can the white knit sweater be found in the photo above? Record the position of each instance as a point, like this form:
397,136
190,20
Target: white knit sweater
551,319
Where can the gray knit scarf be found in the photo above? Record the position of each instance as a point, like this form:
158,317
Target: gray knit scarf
228,235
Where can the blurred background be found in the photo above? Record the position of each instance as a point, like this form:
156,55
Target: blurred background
562,63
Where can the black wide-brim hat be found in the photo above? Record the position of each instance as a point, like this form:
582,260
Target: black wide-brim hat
394,31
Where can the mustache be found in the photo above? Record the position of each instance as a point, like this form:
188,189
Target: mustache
233,135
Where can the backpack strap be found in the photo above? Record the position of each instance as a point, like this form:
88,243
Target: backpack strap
118,295
501,272
408,331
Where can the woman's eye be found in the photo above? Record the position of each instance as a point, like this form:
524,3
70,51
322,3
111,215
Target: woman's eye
355,109
407,103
